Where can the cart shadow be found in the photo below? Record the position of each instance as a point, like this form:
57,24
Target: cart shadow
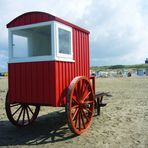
48,128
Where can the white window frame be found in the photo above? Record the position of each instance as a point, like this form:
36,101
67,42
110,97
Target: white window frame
62,56
35,58
55,55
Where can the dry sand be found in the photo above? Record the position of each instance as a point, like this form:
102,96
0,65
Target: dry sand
123,123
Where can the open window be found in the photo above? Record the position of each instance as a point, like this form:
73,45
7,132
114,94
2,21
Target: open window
20,46
41,42
32,42
64,41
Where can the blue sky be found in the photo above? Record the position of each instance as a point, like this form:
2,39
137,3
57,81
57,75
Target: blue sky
118,28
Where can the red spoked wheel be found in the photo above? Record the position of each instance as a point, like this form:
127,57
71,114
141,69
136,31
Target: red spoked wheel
80,105
21,114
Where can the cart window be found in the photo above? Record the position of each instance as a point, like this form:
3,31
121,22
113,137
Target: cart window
49,41
64,41
32,42
40,41
21,49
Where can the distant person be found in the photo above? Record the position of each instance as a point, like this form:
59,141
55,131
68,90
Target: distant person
129,74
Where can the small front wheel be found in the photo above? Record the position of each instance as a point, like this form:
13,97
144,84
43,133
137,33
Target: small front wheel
80,105
21,114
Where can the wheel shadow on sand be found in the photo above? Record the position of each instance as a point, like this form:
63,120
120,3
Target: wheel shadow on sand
48,128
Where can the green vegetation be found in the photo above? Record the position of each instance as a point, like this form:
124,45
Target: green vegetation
138,66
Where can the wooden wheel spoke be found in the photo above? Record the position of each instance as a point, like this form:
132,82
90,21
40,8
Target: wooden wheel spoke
89,102
30,109
75,100
16,110
85,88
75,106
23,116
75,114
84,98
19,115
79,120
13,105
85,115
28,115
82,120
86,108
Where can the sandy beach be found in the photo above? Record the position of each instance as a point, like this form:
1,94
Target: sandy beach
123,123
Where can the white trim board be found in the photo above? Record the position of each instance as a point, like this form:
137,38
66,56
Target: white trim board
38,59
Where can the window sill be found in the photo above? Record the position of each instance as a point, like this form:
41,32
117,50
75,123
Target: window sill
39,59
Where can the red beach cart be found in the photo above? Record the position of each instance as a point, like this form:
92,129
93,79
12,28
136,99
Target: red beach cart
49,66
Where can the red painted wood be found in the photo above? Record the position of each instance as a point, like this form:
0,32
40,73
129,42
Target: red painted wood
28,82
60,84
38,17
34,81
77,54
80,55
88,57
17,83
11,82
29,79
57,82
46,79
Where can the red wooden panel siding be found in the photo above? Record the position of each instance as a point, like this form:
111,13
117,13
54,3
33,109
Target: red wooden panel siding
38,17
11,82
32,83
30,18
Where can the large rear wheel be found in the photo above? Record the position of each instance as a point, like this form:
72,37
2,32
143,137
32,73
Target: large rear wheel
21,114
80,105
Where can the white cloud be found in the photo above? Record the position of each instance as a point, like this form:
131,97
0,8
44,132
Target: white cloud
118,32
